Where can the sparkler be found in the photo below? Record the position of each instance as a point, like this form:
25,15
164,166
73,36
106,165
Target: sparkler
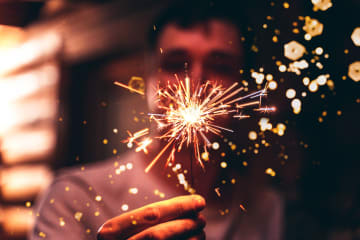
188,114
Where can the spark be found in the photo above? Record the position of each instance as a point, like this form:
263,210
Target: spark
143,144
243,208
132,137
129,88
189,114
265,109
217,190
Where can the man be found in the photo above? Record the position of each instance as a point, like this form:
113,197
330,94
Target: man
120,201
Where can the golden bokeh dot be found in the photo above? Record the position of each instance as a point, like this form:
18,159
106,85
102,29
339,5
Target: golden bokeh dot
282,68
313,86
307,37
269,77
296,31
223,164
124,207
78,216
270,172
272,85
296,103
319,50
321,80
306,81
215,146
61,222
355,36
105,141
294,50
330,84
290,93
322,5
354,71
312,28
129,166
205,156
252,135
134,190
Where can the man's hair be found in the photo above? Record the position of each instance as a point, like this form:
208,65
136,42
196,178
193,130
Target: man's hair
186,14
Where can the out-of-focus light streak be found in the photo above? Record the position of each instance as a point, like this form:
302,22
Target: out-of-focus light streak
38,49
15,184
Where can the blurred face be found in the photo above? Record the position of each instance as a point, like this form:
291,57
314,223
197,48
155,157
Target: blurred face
212,51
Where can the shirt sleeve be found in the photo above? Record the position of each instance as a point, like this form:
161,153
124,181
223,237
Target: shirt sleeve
69,209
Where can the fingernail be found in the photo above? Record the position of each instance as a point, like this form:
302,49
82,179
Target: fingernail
99,236
200,202
100,229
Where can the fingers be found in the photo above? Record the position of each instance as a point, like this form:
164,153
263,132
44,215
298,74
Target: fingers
135,221
176,229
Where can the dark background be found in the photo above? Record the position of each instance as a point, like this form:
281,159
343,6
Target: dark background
321,182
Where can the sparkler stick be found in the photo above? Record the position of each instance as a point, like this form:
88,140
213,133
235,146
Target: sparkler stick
158,156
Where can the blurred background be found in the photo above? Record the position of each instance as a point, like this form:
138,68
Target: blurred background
59,106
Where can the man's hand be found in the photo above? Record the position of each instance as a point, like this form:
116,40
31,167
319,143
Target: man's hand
176,218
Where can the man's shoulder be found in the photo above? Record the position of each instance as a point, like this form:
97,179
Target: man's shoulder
101,175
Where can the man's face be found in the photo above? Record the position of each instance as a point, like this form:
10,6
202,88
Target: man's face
212,51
